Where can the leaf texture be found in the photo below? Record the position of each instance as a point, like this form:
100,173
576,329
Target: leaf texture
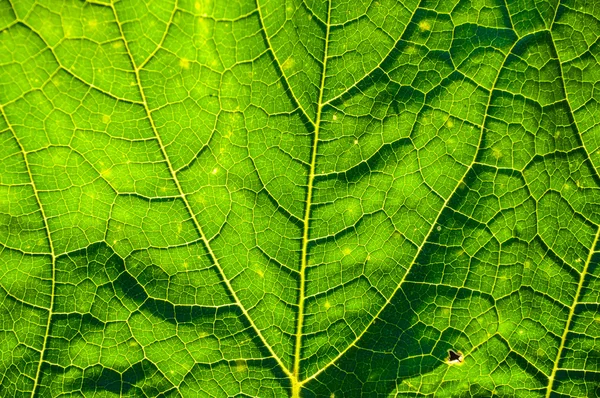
305,198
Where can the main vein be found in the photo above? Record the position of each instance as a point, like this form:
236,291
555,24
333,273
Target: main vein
182,195
563,339
38,372
296,384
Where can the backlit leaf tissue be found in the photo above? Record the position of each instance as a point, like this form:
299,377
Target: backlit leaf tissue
300,198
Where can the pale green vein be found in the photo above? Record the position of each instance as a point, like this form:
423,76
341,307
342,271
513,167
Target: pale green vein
564,87
38,372
70,72
278,63
188,207
383,59
162,40
296,383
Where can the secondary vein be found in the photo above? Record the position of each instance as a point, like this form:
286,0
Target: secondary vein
563,338
38,372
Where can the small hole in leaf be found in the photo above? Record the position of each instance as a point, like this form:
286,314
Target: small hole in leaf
455,357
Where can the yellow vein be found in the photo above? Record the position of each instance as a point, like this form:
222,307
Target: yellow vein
205,240
272,49
564,87
296,384
420,248
512,25
563,339
38,372
591,253
383,59
162,40
51,49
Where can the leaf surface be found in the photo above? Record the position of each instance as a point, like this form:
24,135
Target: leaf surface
299,198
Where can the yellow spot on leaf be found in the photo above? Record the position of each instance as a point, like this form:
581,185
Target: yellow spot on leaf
184,63
204,27
346,251
117,44
215,171
424,26
540,353
327,305
497,153
288,64
449,123
240,365
92,23
105,119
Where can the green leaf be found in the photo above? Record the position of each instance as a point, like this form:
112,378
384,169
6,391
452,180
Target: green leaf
299,198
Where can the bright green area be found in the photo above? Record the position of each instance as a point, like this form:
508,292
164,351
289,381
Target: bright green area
314,198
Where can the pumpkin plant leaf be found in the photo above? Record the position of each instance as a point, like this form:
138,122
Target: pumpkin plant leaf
303,198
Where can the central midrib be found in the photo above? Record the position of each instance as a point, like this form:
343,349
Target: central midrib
296,382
